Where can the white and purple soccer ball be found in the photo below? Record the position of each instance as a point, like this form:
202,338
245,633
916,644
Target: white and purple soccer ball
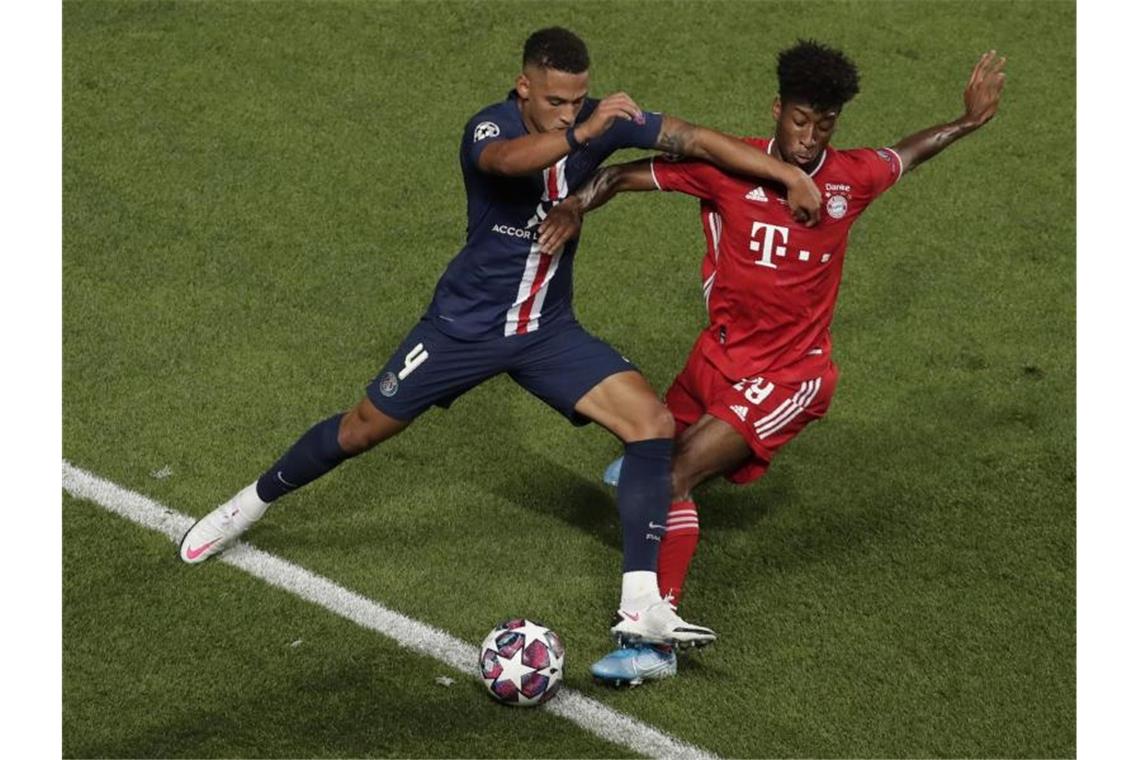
521,662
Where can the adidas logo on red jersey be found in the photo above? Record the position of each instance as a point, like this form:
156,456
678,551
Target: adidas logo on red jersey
757,194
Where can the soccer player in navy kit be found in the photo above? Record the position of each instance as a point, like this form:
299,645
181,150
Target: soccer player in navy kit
504,305
761,370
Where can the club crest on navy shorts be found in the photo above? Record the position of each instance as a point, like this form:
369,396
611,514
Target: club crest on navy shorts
389,384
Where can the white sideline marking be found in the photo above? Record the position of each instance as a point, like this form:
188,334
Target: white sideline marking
590,714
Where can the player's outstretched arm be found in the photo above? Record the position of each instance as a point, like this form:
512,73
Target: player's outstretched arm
535,152
982,96
564,220
736,156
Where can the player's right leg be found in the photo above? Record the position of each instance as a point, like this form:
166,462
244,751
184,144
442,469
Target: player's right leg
317,452
429,368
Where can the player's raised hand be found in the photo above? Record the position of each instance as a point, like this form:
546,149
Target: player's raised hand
615,106
562,223
983,91
804,200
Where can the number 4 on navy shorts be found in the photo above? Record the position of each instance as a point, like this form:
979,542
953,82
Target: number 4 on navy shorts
559,364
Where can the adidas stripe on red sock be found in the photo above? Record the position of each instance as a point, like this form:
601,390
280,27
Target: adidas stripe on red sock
682,531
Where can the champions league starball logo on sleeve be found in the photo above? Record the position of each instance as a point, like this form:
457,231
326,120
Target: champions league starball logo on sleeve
486,129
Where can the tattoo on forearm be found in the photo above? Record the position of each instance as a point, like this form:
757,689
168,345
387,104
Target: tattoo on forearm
598,189
676,137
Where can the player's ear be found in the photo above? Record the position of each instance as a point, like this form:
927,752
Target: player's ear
522,87
777,108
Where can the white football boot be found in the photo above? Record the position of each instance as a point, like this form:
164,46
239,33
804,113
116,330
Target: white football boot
218,530
656,622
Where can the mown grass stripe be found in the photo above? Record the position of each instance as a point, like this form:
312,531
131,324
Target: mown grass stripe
590,714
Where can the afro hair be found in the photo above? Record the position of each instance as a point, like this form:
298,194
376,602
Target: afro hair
813,73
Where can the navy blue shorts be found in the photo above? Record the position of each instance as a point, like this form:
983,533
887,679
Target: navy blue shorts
559,363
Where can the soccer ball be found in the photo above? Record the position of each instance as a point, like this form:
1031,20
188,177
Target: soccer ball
521,662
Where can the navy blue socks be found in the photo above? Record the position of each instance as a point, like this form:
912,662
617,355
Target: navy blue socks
314,454
643,497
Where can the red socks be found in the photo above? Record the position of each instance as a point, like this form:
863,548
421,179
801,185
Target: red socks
682,531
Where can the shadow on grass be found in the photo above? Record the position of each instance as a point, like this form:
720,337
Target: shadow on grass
589,506
351,707
551,489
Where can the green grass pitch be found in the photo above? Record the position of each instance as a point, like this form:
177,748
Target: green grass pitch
258,199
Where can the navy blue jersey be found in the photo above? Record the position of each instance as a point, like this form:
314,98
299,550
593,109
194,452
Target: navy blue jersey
499,284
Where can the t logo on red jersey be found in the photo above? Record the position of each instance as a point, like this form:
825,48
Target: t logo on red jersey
769,246
775,243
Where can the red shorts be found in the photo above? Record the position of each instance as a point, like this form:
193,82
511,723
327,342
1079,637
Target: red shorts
767,413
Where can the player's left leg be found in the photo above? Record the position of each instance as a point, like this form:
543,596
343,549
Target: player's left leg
625,404
708,448
745,425
741,427
586,379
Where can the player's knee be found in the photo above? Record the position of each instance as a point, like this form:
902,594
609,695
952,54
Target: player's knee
359,432
657,423
352,437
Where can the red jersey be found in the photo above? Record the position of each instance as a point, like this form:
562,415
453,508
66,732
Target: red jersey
771,283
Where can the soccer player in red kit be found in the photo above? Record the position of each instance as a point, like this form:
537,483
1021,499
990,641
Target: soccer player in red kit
762,370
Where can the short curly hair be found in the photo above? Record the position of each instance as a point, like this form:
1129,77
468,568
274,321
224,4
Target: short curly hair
556,48
813,73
